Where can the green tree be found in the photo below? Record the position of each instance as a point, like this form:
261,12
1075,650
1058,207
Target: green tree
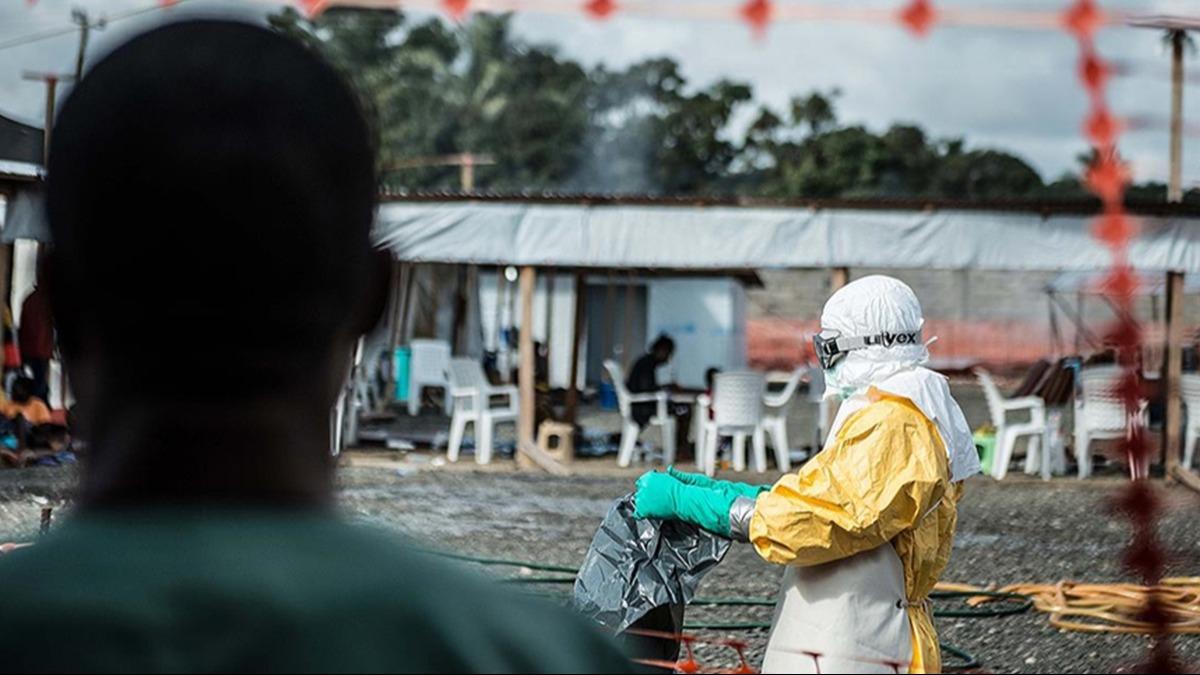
552,124
651,135
434,91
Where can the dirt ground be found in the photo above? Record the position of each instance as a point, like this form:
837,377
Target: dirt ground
1018,530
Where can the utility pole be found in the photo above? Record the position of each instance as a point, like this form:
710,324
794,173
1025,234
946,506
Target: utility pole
1175,185
51,81
466,163
80,17
1176,36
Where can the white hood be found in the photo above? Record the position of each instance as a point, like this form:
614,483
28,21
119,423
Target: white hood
877,304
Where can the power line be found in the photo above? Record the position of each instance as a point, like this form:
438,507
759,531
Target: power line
56,32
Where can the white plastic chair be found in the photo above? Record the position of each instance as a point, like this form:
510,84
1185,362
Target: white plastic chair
1099,412
1007,433
472,395
737,413
427,368
774,419
630,430
1189,389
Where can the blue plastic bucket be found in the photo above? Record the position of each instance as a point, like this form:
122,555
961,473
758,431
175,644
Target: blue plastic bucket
608,396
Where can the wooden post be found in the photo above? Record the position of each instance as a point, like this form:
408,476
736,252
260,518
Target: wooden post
1079,324
549,339
466,175
1175,182
576,338
1174,372
51,81
525,376
838,277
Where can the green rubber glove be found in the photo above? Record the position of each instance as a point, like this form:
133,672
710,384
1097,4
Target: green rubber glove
700,480
659,495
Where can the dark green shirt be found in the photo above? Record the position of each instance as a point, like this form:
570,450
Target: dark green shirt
188,590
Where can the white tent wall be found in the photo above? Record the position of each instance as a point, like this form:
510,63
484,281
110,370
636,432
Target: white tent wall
494,288
561,305
706,318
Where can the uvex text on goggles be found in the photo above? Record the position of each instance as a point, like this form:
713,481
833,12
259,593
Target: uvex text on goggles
831,346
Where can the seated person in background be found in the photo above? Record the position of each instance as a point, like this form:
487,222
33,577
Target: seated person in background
209,174
28,419
710,381
643,378
25,404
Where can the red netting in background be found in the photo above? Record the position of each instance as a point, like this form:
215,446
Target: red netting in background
1107,177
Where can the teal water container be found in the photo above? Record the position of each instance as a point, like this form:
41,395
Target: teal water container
402,360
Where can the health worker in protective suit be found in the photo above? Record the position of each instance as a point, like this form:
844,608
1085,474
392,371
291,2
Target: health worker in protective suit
864,527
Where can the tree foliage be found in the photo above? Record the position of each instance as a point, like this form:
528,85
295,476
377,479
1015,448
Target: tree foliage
553,124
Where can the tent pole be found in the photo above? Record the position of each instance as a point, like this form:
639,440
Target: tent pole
497,329
529,456
549,339
610,319
1055,333
627,319
392,322
1079,324
1174,372
1081,331
576,339
525,374
460,309
406,303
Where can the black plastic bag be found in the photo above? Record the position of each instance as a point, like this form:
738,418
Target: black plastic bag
642,573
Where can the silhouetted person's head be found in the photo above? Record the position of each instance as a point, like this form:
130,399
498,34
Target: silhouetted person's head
710,378
22,389
210,194
663,348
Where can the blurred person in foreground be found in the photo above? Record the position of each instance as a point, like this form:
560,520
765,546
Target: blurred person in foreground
210,193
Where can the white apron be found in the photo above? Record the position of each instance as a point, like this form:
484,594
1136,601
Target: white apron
853,611
846,610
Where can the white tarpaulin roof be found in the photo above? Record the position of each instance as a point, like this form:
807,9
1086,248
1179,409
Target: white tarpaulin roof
733,237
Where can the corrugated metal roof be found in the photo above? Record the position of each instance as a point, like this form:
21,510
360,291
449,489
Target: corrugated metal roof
1165,22
1015,205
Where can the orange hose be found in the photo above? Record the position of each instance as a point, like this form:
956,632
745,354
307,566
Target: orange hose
1106,608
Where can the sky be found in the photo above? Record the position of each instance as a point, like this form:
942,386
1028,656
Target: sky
999,88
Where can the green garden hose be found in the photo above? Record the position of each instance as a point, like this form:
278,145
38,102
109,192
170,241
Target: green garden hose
1015,603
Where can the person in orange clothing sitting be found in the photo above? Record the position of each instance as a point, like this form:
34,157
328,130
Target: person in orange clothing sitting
30,420
25,405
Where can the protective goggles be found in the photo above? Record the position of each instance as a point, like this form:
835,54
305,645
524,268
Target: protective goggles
831,346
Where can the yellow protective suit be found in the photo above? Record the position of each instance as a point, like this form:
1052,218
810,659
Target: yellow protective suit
884,480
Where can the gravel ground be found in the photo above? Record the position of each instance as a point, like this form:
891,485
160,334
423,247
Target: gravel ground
1019,530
